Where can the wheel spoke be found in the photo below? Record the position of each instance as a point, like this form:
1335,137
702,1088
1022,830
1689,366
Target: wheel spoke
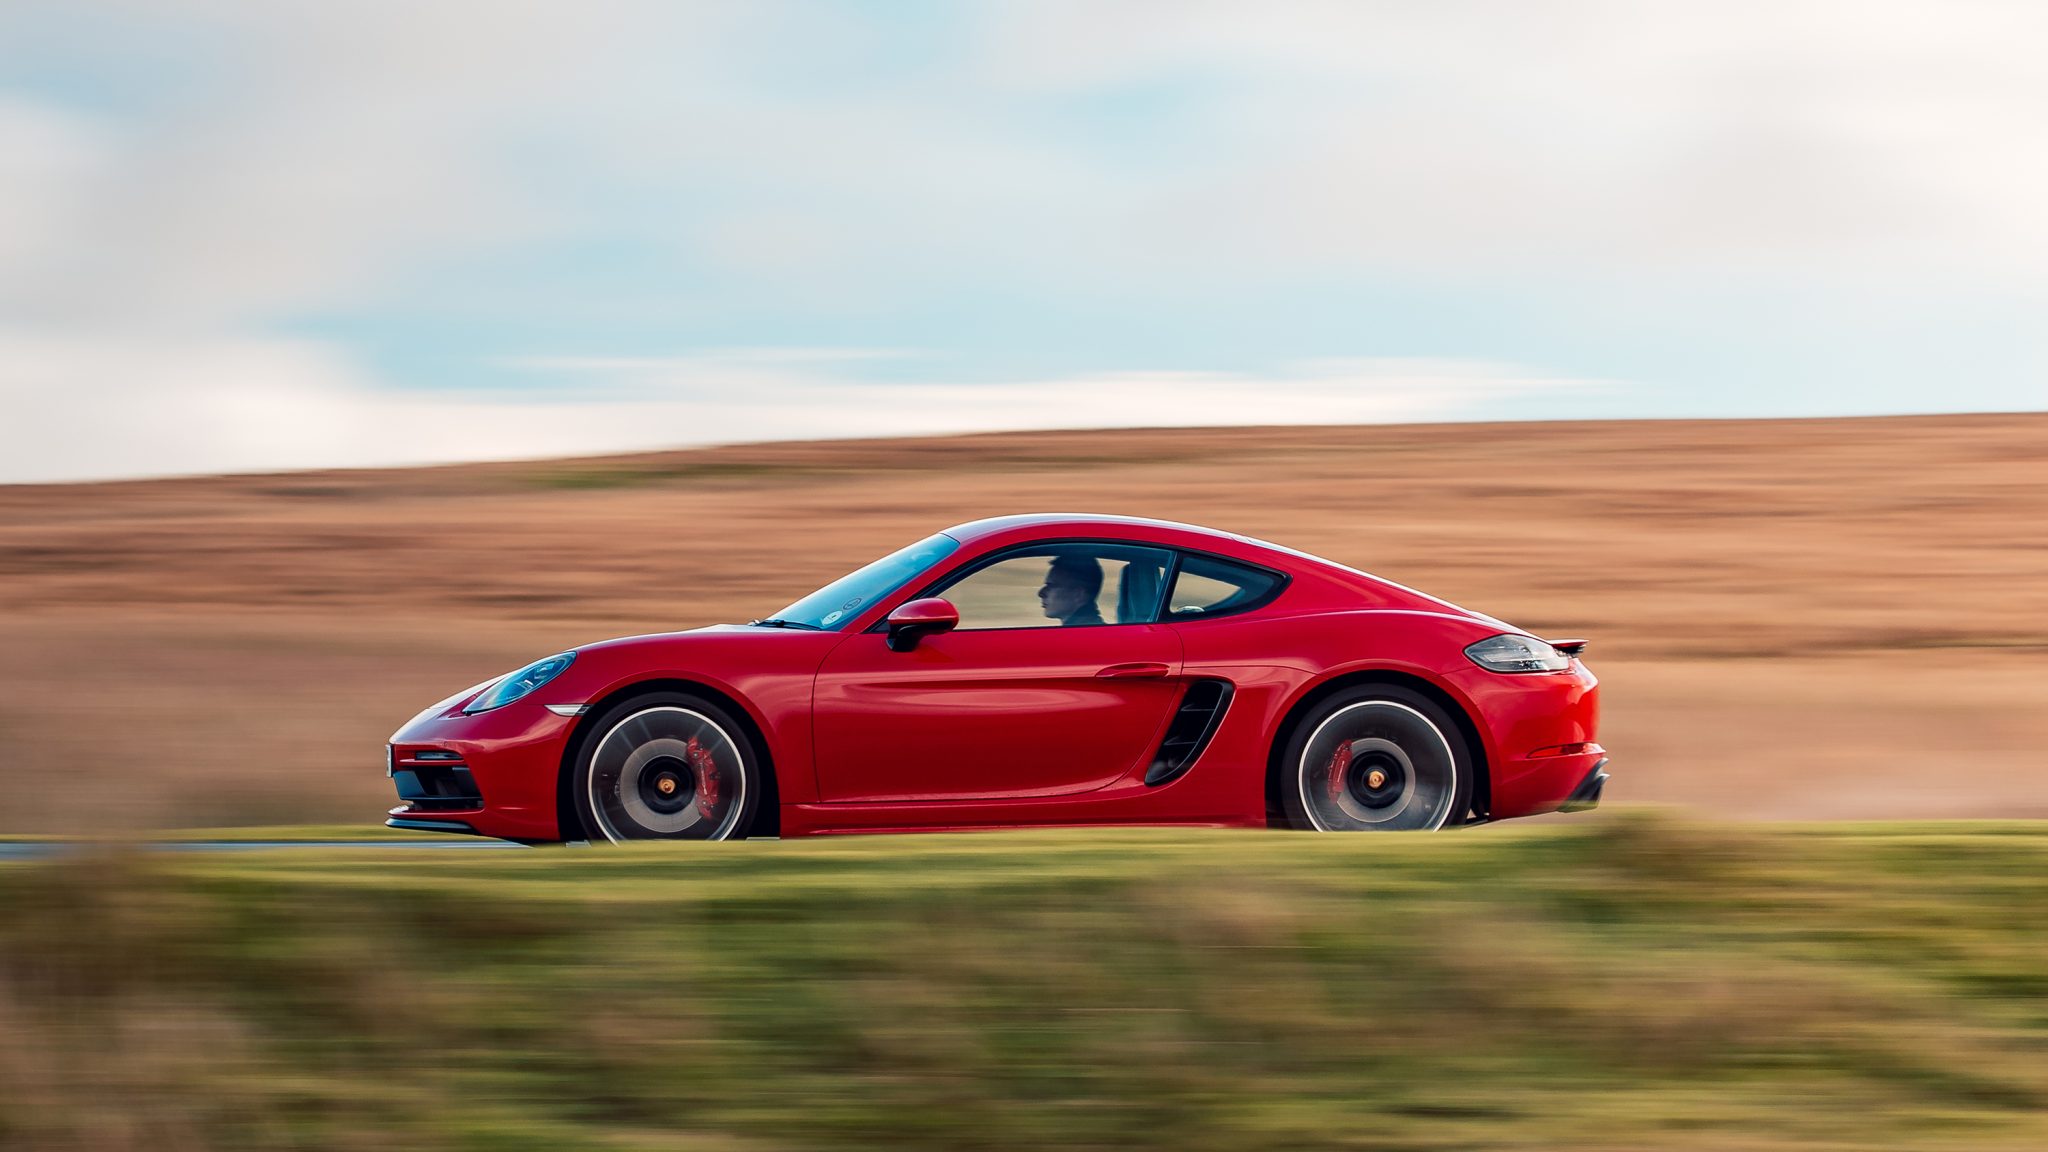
1378,765
666,773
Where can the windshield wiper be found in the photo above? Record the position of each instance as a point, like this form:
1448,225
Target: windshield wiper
777,622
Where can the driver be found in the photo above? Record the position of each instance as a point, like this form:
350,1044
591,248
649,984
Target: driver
1071,585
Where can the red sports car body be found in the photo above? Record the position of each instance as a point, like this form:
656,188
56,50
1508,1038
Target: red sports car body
1027,671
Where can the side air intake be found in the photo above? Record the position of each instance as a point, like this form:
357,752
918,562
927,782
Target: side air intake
1201,710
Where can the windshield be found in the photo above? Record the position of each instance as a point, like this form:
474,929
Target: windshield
842,599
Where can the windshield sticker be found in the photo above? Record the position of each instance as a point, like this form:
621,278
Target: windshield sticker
832,617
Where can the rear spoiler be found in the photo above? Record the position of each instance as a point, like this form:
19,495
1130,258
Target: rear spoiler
1569,647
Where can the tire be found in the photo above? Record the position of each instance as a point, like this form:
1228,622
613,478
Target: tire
667,766
1377,758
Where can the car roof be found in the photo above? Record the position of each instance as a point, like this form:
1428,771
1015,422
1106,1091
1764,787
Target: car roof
975,530
1138,529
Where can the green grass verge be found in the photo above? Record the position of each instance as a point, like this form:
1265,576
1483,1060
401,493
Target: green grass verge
1628,982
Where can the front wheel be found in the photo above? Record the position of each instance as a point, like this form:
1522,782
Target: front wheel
670,766
1376,759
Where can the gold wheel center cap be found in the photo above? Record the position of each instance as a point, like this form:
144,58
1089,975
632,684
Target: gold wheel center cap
667,785
1375,779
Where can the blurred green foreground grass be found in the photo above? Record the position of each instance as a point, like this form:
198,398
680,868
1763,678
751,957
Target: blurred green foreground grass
1622,982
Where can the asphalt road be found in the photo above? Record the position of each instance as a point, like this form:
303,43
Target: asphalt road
41,849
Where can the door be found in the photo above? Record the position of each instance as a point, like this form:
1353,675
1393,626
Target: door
1055,682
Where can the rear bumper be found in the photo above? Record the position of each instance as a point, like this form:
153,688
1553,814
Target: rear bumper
1540,737
1530,785
1587,794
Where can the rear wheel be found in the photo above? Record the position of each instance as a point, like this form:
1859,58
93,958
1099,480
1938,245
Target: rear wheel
1377,758
670,766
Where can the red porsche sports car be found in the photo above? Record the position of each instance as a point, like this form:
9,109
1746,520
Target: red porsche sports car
1027,670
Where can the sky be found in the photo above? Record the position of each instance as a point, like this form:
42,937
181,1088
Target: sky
281,235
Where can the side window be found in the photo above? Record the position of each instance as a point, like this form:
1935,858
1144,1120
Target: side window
1062,585
1207,586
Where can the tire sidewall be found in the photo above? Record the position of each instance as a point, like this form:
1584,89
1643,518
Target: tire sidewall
1290,767
612,717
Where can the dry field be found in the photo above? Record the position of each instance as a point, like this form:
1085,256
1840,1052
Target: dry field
1793,619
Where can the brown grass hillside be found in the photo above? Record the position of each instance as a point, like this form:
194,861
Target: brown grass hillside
1834,619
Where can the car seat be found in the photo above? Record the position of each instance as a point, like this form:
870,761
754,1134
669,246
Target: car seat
1137,594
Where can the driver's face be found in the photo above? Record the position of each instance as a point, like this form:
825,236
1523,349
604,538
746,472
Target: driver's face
1060,597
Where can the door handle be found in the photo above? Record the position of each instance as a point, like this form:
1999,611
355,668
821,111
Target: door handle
1142,670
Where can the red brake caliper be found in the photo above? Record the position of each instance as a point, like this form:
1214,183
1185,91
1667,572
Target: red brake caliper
707,776
1340,763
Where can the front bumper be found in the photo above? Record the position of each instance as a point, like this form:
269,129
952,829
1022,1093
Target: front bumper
401,818
495,773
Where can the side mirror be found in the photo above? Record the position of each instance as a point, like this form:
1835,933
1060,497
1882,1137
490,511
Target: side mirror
918,619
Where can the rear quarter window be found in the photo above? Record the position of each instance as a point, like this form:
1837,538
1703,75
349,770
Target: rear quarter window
1207,586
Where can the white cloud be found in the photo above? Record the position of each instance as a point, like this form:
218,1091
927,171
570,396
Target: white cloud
1815,138
89,412
257,164
322,154
311,154
46,157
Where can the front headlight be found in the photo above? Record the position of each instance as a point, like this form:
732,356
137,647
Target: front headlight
520,683
1512,653
441,707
